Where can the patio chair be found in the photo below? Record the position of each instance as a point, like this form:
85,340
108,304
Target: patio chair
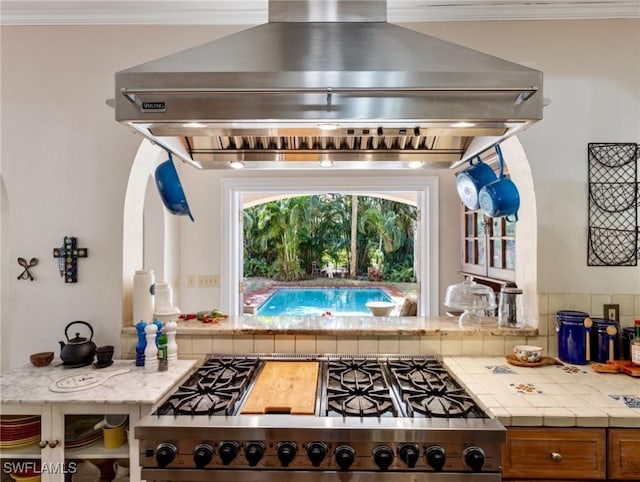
329,269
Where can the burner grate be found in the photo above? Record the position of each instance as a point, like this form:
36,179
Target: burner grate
452,403
428,390
356,387
194,402
213,389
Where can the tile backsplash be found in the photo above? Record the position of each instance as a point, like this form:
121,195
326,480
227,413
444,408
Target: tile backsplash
550,304
443,344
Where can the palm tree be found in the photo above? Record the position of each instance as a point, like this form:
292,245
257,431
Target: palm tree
385,227
282,238
354,237
280,221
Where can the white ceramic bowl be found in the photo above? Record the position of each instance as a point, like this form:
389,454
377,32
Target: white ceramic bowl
380,308
528,353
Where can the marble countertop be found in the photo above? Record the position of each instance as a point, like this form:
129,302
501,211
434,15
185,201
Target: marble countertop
342,325
553,396
29,384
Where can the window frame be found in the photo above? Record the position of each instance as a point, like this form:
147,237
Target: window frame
426,188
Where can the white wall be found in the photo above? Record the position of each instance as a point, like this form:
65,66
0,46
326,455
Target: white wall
65,161
65,166
592,76
200,241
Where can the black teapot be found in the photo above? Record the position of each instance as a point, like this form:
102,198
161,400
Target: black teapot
78,350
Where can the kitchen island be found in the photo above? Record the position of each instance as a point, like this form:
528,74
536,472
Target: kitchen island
25,392
564,422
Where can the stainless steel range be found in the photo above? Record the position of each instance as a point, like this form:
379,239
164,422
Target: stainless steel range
387,418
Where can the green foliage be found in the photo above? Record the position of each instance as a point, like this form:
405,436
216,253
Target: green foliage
283,238
257,268
401,274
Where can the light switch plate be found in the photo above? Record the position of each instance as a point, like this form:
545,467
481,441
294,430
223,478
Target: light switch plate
612,312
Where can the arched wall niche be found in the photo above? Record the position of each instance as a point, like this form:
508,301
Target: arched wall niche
133,256
167,229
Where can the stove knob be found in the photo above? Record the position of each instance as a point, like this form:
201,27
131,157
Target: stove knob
383,456
253,451
316,452
436,457
409,454
202,455
165,453
474,458
228,450
344,456
286,452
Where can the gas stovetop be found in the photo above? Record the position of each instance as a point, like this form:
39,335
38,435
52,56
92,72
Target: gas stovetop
349,386
369,414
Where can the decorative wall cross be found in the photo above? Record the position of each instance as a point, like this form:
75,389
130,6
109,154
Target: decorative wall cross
68,256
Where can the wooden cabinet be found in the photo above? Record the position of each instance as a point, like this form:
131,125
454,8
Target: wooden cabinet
571,454
623,454
52,455
555,454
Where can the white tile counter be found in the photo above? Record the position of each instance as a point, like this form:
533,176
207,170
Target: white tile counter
29,384
552,396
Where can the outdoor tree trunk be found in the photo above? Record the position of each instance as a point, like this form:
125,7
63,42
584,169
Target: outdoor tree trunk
353,262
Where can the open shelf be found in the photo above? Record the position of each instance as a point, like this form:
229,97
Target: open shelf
97,451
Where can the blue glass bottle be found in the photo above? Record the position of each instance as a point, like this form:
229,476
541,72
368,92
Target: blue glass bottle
159,324
142,343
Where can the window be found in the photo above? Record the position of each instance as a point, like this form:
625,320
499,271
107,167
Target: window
235,190
488,246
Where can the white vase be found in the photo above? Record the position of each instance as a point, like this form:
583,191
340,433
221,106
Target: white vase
143,299
163,296
164,310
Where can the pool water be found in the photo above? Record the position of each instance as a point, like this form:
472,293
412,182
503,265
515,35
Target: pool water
316,301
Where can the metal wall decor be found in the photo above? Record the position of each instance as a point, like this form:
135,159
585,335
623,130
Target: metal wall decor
613,204
26,274
68,256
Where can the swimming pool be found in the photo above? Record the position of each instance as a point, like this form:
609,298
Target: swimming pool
316,301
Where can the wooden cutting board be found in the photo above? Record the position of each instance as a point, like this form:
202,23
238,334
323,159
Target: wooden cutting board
284,387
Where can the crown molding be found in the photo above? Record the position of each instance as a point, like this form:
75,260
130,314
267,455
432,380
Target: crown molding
252,12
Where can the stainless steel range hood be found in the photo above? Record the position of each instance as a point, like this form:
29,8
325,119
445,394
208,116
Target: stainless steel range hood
328,80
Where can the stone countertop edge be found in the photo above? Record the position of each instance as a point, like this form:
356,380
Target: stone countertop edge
342,325
30,385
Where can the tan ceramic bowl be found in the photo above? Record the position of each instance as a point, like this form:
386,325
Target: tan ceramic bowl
528,353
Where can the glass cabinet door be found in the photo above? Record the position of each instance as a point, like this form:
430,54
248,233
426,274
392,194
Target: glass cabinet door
24,441
96,441
502,248
488,246
474,256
